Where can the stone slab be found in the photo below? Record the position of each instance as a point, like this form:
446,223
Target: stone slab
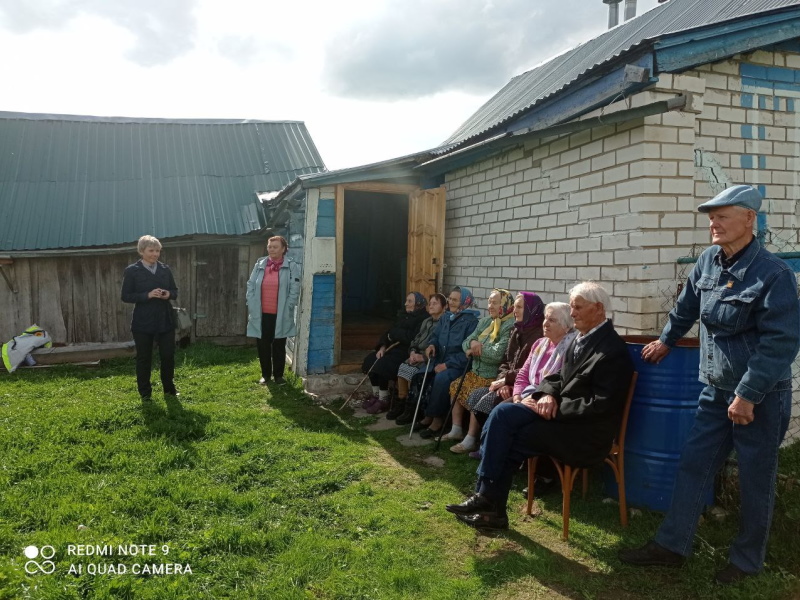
382,424
414,441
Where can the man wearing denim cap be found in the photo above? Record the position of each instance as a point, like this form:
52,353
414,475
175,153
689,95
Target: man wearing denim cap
746,300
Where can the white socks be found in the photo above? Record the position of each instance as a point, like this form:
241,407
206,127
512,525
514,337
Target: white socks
469,442
375,390
455,433
383,394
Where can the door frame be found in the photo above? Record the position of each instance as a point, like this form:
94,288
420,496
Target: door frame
375,187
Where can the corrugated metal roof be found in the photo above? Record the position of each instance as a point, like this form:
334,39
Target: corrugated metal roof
675,16
70,181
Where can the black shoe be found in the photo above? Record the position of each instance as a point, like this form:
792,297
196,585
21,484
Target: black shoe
396,409
420,426
174,393
407,415
428,433
279,381
147,398
731,574
651,555
473,505
492,521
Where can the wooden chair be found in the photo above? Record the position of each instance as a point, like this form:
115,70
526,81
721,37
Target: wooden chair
568,473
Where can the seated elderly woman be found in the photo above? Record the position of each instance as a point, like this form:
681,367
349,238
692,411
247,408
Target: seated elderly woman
572,415
486,346
547,354
528,317
445,345
405,407
391,351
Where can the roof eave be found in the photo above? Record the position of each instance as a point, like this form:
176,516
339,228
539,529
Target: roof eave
504,141
681,51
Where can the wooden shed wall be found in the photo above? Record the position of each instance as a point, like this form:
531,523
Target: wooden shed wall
77,297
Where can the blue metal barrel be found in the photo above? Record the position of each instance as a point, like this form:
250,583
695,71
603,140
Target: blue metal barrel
662,413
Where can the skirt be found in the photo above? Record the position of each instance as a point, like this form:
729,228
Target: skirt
407,371
483,401
472,382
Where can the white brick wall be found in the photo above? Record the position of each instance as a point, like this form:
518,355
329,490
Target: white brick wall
617,203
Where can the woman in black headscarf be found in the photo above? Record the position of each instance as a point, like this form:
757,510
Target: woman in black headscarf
391,351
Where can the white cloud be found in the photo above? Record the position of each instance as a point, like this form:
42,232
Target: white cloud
278,61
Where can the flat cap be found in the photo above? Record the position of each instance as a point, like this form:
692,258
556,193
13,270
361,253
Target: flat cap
745,196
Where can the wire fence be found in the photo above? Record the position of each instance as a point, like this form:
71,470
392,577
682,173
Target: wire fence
775,242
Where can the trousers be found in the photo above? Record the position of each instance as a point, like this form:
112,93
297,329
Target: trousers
710,440
271,350
144,360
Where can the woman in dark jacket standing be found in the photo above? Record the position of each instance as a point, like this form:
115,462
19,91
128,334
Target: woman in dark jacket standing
149,285
391,351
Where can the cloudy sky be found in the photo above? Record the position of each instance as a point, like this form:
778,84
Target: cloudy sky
372,79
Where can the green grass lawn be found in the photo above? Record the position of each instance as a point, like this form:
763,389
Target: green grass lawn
263,494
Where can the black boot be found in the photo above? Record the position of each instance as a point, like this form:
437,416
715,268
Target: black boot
408,413
396,408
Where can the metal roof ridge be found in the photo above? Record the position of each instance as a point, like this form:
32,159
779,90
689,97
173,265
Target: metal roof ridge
11,115
488,122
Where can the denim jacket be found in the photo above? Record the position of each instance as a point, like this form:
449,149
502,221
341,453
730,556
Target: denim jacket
750,321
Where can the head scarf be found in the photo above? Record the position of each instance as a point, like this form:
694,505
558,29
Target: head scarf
419,301
467,300
506,312
533,316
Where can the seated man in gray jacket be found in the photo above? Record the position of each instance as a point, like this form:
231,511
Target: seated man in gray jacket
573,415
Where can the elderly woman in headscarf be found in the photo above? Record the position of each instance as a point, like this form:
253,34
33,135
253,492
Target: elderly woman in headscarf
486,346
528,318
446,346
390,351
415,363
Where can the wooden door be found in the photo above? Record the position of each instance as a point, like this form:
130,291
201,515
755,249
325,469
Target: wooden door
426,240
221,283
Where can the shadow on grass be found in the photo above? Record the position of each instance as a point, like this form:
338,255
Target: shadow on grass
292,403
174,422
551,569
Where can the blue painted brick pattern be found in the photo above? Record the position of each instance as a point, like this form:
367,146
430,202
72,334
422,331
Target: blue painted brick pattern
761,89
321,329
326,218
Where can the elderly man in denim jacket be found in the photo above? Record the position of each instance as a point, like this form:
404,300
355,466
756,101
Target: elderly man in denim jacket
746,300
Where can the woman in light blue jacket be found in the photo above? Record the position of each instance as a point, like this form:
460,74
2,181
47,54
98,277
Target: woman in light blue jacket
272,294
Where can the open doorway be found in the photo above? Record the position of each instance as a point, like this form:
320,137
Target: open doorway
374,270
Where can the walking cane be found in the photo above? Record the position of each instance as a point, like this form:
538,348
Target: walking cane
419,397
350,397
453,403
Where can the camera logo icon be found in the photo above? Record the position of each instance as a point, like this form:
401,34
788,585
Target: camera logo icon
46,566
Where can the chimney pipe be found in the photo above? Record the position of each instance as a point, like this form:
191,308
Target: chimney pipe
613,12
630,9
